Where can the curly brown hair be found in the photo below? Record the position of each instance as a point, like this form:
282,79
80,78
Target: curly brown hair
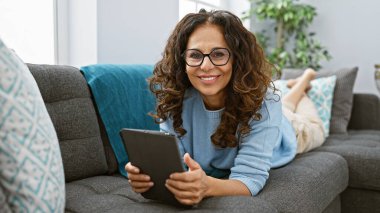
245,92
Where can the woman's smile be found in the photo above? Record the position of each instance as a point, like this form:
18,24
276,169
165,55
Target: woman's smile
208,79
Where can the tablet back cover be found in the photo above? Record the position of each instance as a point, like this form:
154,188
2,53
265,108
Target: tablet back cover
157,155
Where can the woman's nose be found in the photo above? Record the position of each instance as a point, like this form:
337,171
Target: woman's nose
207,64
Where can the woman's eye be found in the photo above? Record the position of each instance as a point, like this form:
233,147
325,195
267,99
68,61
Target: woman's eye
195,55
218,54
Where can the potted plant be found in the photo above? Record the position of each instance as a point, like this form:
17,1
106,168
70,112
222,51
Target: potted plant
293,46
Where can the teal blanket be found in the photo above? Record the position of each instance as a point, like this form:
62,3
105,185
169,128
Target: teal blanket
123,100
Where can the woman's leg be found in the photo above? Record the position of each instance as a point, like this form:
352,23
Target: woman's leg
303,116
297,91
308,125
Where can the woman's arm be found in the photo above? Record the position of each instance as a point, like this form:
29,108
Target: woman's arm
191,187
271,143
223,187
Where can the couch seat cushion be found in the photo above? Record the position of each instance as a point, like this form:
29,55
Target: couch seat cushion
308,184
113,194
361,149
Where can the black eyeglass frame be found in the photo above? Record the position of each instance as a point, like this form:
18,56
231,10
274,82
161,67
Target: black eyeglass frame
206,55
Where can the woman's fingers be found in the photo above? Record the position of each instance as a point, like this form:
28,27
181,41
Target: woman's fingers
183,186
185,197
184,177
131,169
191,163
140,190
134,173
183,194
138,177
139,182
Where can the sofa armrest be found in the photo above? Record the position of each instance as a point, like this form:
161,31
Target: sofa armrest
365,112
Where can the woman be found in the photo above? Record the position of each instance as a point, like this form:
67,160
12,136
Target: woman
213,91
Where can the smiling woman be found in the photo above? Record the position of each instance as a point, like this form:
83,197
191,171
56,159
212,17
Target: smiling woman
28,28
213,92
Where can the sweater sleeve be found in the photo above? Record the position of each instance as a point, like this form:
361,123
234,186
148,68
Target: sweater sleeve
253,161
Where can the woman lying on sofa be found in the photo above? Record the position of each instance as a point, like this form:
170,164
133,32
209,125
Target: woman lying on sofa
214,92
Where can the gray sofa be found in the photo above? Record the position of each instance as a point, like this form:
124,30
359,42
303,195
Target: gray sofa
341,176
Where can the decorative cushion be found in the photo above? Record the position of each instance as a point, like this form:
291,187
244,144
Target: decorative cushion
321,94
31,175
343,95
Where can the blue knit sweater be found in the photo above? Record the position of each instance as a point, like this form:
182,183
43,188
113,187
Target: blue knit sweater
271,142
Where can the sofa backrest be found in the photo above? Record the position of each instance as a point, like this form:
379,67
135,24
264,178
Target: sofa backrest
365,112
68,101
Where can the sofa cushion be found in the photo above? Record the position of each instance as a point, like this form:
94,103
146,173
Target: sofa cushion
359,200
69,104
361,149
343,95
31,171
114,194
365,112
308,184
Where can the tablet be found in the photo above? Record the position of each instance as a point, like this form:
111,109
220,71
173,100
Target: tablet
155,154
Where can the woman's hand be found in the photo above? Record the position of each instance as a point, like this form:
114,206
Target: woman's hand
140,182
189,187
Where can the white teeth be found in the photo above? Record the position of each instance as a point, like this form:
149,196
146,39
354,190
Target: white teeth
208,78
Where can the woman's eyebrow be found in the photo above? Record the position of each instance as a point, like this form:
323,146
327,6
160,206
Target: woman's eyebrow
218,47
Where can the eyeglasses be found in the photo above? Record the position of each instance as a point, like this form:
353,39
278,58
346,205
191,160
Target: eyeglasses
218,57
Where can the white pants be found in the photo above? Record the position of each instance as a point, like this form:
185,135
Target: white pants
306,123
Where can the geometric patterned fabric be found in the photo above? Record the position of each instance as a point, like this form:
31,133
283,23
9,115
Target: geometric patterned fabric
31,174
321,94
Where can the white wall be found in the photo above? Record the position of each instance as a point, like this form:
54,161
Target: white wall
350,30
238,7
76,32
134,31
27,27
114,31
83,35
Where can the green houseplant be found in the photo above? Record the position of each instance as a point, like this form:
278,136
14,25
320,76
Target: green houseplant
294,46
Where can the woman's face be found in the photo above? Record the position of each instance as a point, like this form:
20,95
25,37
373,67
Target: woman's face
210,80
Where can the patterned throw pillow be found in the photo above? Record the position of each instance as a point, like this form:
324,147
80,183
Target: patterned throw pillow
31,174
343,94
321,94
